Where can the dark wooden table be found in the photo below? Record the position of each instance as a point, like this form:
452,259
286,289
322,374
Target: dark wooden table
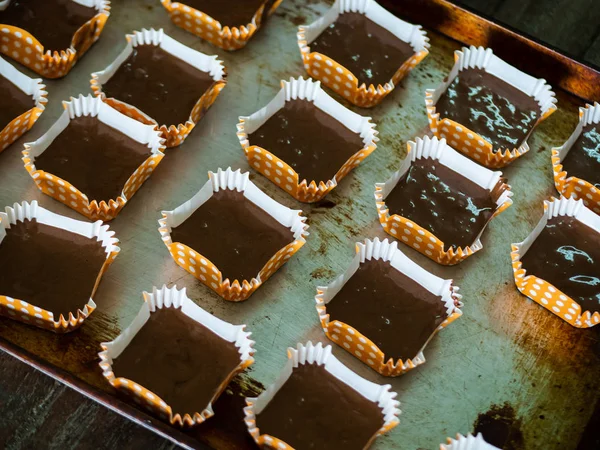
39,412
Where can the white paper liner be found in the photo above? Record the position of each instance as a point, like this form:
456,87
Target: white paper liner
239,181
30,86
438,149
205,63
94,107
172,297
97,230
386,251
318,354
469,442
309,90
484,58
588,115
553,208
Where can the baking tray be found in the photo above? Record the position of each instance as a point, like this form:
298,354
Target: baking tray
507,363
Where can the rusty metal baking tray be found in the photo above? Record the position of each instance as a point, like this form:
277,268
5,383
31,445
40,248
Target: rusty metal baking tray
506,361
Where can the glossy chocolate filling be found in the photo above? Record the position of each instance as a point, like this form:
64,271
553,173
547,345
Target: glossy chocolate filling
583,159
13,102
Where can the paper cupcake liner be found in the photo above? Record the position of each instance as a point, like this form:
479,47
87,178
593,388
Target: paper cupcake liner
469,442
23,47
339,79
173,298
539,290
317,354
209,29
174,134
412,233
20,309
572,186
277,170
65,192
469,142
200,266
359,345
23,123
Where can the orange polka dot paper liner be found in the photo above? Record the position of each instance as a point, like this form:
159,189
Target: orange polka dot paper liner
468,142
468,442
359,345
65,192
23,123
23,311
320,355
211,30
419,238
201,267
175,133
277,170
177,299
23,47
534,286
339,79
572,186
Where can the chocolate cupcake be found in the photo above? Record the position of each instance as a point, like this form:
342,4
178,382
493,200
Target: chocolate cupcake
440,202
304,141
487,108
317,402
385,308
49,37
231,235
558,264
50,266
577,163
228,24
22,101
175,359
93,159
469,442
361,51
159,81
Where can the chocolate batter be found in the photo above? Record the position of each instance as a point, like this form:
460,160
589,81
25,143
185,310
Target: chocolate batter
49,267
395,312
159,84
13,102
370,52
442,201
312,142
229,13
234,234
583,160
567,255
178,359
314,410
52,22
94,157
489,106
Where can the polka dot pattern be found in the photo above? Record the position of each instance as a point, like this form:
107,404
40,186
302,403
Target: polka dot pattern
24,48
209,29
343,82
574,187
20,125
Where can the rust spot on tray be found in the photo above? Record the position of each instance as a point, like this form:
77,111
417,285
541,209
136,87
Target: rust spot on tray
322,272
501,427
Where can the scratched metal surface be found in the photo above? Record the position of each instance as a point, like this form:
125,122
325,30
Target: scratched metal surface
504,354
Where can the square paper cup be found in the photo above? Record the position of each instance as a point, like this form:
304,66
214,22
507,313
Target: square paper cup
277,170
207,28
174,133
62,190
469,142
173,298
20,309
30,86
469,442
339,79
538,289
23,47
200,266
359,345
317,354
571,186
412,233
